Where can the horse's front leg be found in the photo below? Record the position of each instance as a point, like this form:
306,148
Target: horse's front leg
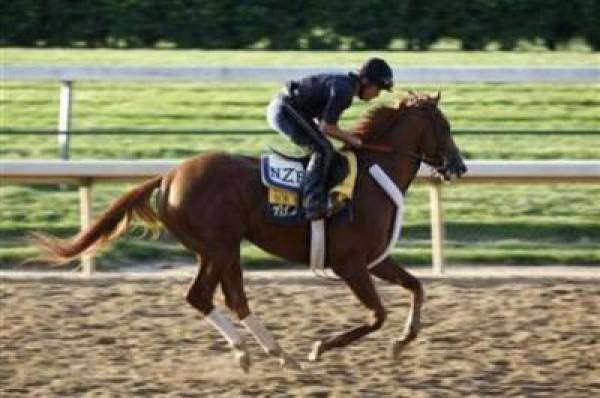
359,281
391,272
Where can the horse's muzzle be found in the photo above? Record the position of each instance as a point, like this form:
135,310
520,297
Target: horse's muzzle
457,166
452,167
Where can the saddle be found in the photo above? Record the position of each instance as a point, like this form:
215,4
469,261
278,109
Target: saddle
283,176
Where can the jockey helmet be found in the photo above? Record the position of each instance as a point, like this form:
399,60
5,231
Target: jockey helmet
378,72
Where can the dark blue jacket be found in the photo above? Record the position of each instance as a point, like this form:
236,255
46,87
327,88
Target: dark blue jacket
324,96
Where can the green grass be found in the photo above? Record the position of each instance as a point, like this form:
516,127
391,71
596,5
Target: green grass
485,223
33,105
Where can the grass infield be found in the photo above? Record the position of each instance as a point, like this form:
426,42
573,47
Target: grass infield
513,224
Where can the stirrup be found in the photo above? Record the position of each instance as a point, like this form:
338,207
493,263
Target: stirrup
331,209
316,214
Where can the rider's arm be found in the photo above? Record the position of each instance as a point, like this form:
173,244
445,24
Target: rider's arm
333,131
340,98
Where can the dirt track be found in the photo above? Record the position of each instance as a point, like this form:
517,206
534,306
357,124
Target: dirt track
480,338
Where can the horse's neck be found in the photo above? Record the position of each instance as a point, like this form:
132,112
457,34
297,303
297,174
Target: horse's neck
400,167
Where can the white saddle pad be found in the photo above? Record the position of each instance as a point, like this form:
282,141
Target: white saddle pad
279,172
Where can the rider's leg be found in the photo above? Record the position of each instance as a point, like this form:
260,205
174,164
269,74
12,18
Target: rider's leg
280,120
304,133
314,188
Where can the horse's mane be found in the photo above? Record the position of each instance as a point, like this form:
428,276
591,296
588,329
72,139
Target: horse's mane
380,119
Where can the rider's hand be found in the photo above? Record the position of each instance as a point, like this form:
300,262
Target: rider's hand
354,141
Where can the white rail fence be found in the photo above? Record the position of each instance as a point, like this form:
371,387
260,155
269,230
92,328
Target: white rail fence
67,75
421,74
85,173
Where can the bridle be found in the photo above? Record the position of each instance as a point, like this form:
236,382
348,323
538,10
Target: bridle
430,161
437,162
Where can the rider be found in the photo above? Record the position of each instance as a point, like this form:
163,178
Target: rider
323,97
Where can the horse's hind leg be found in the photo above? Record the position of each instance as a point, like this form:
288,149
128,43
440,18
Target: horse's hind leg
391,272
200,296
235,297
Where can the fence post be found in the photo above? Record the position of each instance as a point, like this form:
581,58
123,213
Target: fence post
64,118
437,228
85,208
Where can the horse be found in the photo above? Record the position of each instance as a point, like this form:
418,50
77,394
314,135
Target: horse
213,201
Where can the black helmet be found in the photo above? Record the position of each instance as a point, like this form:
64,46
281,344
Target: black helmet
378,72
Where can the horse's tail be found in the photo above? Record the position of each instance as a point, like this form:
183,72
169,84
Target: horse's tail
112,224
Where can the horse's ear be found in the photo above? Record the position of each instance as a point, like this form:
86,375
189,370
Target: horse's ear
437,97
412,97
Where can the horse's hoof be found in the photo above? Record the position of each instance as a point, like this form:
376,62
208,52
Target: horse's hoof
242,358
315,354
287,362
397,347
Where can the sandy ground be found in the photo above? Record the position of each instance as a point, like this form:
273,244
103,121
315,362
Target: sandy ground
510,337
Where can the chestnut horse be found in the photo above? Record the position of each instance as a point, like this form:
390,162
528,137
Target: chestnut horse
213,201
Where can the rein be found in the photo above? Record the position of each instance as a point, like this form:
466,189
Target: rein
393,151
435,163
365,147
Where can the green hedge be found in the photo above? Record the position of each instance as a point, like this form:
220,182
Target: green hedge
311,24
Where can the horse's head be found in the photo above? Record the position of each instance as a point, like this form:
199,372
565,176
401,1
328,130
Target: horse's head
436,146
416,128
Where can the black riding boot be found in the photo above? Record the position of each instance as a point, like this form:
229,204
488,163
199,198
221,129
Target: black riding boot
314,189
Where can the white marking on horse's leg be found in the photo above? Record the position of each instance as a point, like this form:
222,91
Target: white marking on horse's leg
315,353
267,342
410,318
411,327
221,322
261,334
